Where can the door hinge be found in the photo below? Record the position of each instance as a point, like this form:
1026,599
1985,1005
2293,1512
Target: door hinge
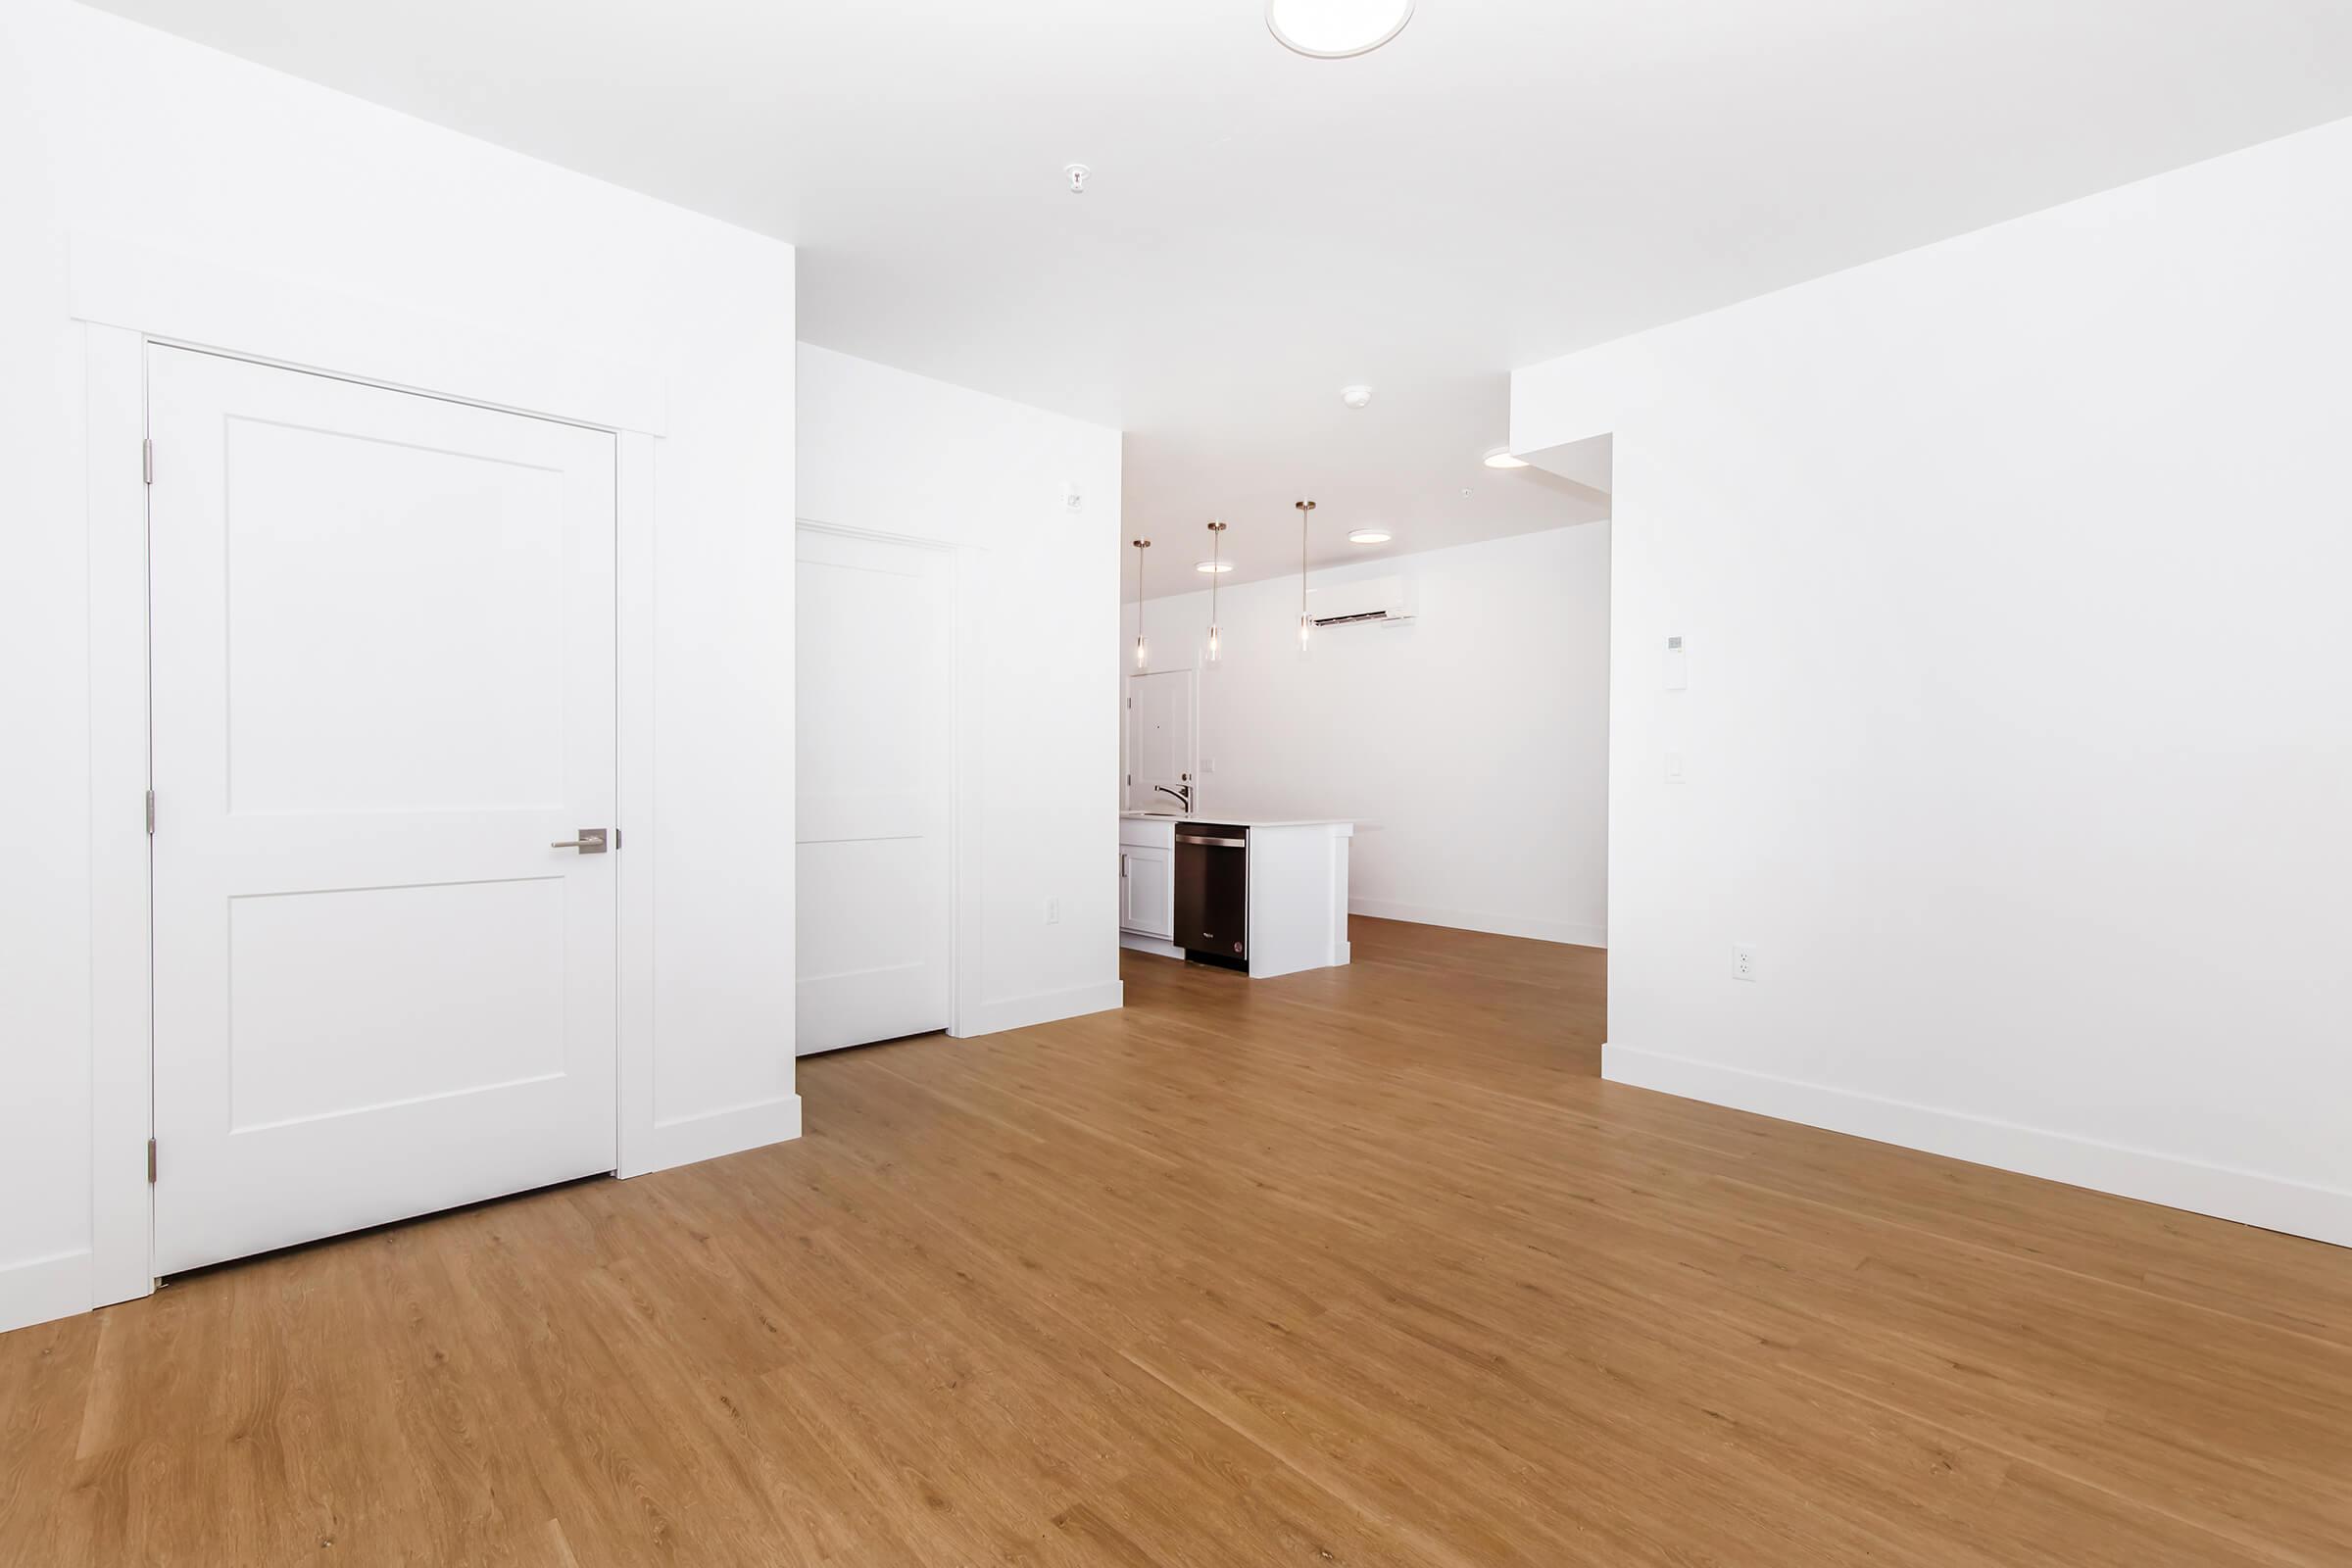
147,459
151,813
151,1161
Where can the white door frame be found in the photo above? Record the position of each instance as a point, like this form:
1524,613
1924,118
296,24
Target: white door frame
963,764
126,297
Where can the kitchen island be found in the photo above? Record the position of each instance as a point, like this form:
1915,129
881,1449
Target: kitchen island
1296,888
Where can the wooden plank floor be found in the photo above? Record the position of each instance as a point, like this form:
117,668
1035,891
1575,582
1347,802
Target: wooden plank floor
1359,1266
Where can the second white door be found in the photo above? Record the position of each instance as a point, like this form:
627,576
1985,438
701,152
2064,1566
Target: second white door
1159,741
875,787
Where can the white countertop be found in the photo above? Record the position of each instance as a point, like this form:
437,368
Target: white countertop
1236,820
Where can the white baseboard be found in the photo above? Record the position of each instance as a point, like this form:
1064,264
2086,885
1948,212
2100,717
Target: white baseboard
689,1139
1043,1006
44,1287
1501,925
2323,1213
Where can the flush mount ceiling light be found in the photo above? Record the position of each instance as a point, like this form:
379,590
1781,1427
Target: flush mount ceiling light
1213,566
1369,536
1501,457
1355,397
1333,30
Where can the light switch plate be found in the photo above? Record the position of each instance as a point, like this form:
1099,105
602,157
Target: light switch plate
1674,767
1678,665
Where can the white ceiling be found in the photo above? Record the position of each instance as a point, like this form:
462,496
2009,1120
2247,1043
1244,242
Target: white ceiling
1508,180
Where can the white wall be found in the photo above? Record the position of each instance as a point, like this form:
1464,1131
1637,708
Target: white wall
897,453
2019,728
109,129
1470,743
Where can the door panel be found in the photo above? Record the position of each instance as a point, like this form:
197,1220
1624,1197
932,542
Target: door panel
384,684
398,609
875,787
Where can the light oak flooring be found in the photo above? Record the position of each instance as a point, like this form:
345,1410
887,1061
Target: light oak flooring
1361,1266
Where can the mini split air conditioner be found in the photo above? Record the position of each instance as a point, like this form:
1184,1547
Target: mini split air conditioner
1368,599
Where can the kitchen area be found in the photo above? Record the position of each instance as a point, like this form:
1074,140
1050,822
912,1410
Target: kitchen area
1259,897
1329,715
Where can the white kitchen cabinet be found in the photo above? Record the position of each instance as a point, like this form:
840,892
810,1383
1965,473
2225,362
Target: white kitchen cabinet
1148,889
1298,916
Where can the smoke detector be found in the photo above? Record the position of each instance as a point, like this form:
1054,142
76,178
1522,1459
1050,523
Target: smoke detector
1355,397
1077,174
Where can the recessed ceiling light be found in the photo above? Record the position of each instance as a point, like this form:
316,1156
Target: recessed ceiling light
1501,457
1369,536
1213,566
1333,30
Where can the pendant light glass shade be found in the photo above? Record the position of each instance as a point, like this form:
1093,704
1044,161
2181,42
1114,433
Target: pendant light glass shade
1216,557
1142,656
1306,625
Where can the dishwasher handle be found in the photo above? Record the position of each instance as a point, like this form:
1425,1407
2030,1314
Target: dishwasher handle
1219,844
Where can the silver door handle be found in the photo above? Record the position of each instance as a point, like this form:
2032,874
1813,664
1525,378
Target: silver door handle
590,842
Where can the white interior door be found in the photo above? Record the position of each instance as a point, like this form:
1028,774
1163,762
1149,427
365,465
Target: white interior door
383,686
875,786
1160,739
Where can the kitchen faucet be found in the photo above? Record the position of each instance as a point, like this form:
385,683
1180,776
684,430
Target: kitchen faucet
1182,792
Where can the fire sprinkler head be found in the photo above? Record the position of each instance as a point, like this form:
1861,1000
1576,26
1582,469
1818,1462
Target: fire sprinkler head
1077,174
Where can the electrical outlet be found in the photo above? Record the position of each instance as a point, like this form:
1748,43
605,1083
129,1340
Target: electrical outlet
1052,912
1744,962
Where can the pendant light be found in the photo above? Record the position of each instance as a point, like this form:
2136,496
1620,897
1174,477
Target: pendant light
1217,567
1142,655
1306,624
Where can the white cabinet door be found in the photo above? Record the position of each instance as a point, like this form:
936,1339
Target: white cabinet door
875,785
383,688
1149,891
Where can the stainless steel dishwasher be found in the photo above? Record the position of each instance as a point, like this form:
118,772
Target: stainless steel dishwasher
1212,893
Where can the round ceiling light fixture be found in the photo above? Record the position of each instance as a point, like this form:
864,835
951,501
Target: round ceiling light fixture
1369,536
1333,30
1213,566
1501,457
1358,396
